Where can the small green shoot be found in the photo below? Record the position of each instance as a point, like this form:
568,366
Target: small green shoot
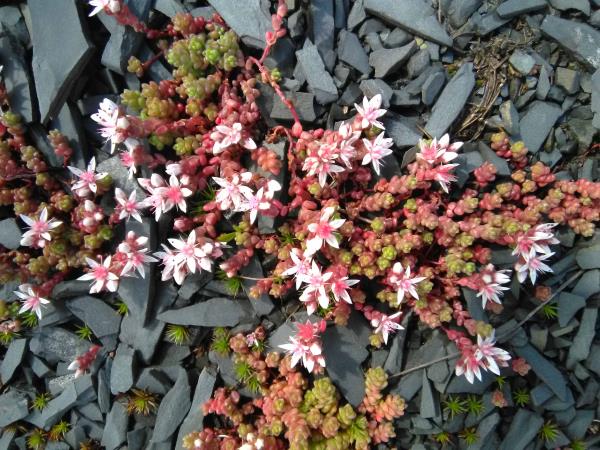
550,311
501,380
122,307
220,341
443,438
41,401
469,435
549,431
29,319
85,333
177,334
141,402
454,406
577,445
474,405
58,431
521,397
36,440
232,284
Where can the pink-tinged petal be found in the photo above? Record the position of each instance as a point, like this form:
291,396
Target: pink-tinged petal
27,220
249,144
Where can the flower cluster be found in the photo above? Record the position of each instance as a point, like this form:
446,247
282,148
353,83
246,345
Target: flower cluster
482,356
306,346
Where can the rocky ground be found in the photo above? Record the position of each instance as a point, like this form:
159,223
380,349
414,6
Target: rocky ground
468,67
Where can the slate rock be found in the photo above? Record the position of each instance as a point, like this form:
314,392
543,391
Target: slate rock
203,393
567,79
248,19
371,88
12,359
203,11
91,411
451,101
303,102
460,11
579,5
514,8
319,80
263,304
56,67
396,38
57,344
101,318
543,86
14,405
351,52
579,38
522,62
296,24
568,305
388,61
418,63
138,439
432,87
122,370
282,56
588,284
523,429
169,7
484,25
323,26
357,14
215,312
589,258
10,234
578,427
430,402
13,22
510,118
580,349
115,429
344,356
537,123
485,428
415,16
490,156
401,129
16,76
544,369
281,336
173,409
393,362
120,176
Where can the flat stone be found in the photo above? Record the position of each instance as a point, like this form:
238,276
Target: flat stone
543,85
304,103
510,118
432,87
568,305
173,409
523,429
460,11
565,5
490,156
101,318
14,405
544,369
415,16
122,370
567,79
357,14
296,24
323,26
203,393
396,38
418,63
580,424
522,62
460,385
485,428
484,25
388,61
344,356
263,305
203,11
12,359
91,411
580,349
401,129
10,234
120,176
115,429
451,101
70,288
138,439
16,76
319,80
430,402
588,284
583,130
351,51
169,7
215,312
370,88
589,258
13,22
248,19
56,67
579,38
537,123
514,8
56,344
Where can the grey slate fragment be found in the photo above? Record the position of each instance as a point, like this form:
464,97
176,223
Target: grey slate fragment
484,429
537,123
120,176
56,344
580,349
513,8
579,5
484,25
12,359
115,429
418,63
203,11
101,318
215,312
510,118
323,26
589,258
10,234
544,369
451,101
319,80
122,370
304,103
69,122
169,7
56,68
580,424
16,76
262,305
543,85
460,11
588,284
490,156
401,129
430,402
579,38
357,14
249,21
351,51
70,288
13,407
396,38
432,87
173,408
568,305
522,62
137,439
415,16
202,393
523,429
388,61
344,356
13,22
567,79
371,88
